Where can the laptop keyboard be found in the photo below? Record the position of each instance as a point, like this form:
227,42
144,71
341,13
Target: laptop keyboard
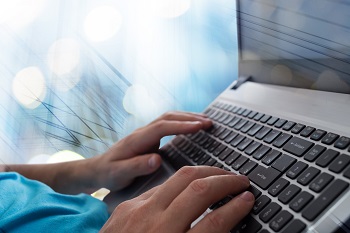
296,171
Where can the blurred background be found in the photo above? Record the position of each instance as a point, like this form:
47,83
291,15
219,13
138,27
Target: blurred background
77,76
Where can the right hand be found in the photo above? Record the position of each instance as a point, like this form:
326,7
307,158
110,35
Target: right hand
174,205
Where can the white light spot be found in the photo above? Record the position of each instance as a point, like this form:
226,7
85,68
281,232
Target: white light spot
102,23
39,159
64,156
169,8
19,13
101,193
138,102
63,56
29,87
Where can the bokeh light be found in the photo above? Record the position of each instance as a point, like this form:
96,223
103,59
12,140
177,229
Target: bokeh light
64,156
168,8
102,23
29,87
19,13
63,59
63,56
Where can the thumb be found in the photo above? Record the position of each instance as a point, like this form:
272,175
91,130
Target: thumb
142,164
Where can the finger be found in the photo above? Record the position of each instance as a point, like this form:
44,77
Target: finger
140,165
147,194
202,193
186,116
144,139
180,180
226,217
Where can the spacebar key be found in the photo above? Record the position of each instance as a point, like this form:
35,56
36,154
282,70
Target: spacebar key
263,177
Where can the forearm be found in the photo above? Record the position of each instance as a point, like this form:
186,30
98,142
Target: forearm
66,177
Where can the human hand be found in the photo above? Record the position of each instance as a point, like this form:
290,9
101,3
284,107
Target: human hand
174,205
136,154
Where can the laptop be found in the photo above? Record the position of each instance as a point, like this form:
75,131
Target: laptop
284,121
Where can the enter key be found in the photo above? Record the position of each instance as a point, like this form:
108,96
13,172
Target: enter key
297,146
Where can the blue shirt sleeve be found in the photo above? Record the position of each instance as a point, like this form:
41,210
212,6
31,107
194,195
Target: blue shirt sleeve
31,206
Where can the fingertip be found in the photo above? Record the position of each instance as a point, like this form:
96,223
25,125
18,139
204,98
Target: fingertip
154,161
247,196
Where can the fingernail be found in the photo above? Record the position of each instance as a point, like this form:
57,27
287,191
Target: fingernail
152,162
247,196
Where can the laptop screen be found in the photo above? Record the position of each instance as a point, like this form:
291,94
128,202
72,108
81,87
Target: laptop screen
299,43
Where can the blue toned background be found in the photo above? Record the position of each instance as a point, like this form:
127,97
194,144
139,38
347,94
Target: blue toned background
77,76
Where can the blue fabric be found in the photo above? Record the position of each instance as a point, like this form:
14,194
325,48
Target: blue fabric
30,206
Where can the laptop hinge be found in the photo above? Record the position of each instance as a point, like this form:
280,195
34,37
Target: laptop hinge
240,80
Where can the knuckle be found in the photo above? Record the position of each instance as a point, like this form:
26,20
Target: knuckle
188,172
216,221
169,115
159,125
200,187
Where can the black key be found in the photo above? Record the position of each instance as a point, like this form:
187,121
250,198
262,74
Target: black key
281,140
300,201
260,203
283,163
339,163
342,142
231,158
289,125
252,114
203,159
223,118
259,116
327,156
308,175
247,167
278,186
240,124
241,111
318,134
219,131
256,192
235,110
321,182
246,113
252,148
247,127
204,140
324,200
296,169
347,172
234,122
264,231
265,118
280,123
280,220
307,131
247,225
210,162
271,210
239,162
237,140
213,146
271,156
272,136
297,146
228,120
296,226
244,144
208,143
314,152
287,194
330,138
297,128
272,120
230,137
225,153
198,156
254,130
220,203
263,177
225,134
218,165
219,149
261,152
263,132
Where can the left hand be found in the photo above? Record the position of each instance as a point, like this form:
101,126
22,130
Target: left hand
136,154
